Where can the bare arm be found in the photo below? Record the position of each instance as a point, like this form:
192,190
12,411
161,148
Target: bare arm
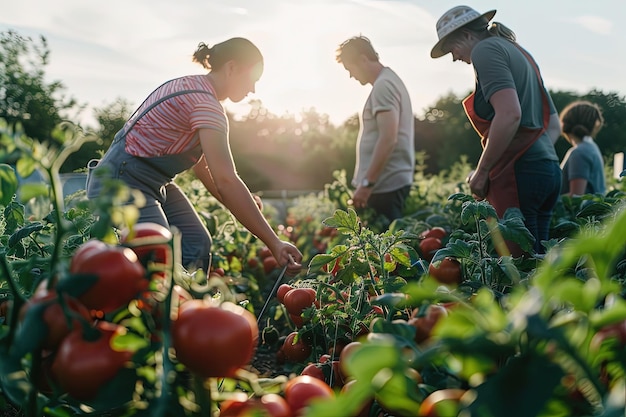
554,128
204,175
503,128
577,186
236,196
387,138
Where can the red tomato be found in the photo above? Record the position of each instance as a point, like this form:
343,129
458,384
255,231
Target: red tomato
53,315
429,246
282,290
298,351
424,325
447,271
269,405
269,264
5,308
438,232
214,341
334,269
304,389
298,299
315,371
253,263
82,366
150,241
441,402
297,320
615,331
264,252
84,251
120,276
347,350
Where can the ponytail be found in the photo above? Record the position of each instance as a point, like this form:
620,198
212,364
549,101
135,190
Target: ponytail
498,29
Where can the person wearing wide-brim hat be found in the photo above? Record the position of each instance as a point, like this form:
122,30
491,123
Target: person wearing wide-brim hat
513,114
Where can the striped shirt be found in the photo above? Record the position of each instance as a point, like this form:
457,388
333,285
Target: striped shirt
172,126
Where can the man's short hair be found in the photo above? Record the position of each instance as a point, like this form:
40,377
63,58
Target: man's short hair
350,49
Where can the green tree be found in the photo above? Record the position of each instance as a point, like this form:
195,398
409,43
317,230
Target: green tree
26,99
445,134
111,119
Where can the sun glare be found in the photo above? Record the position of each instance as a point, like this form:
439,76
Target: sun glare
300,68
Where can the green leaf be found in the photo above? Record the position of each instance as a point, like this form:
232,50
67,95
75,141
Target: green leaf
595,209
377,353
31,331
76,284
520,389
8,184
24,232
14,216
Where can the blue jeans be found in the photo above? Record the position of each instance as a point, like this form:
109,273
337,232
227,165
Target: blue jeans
538,189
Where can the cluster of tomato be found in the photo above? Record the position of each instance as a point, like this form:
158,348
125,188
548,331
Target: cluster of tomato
76,342
448,270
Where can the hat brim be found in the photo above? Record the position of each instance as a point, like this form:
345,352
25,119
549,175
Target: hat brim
438,52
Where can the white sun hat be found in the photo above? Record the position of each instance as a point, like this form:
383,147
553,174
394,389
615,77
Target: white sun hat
452,20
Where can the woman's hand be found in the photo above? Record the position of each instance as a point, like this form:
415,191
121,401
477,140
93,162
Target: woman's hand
479,184
287,254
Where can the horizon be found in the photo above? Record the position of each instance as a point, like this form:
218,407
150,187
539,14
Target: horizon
98,58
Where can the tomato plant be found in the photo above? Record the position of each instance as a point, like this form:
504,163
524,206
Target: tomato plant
118,272
447,271
212,340
86,360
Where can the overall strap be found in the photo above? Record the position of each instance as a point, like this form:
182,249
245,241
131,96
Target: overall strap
156,103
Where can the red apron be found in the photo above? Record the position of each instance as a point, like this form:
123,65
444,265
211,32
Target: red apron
502,191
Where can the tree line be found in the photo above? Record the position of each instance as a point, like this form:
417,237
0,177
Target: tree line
272,152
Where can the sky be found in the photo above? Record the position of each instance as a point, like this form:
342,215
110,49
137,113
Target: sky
101,51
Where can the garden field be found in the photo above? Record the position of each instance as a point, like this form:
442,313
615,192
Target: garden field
431,317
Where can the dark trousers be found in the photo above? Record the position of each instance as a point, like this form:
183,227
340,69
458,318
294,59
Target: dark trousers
538,188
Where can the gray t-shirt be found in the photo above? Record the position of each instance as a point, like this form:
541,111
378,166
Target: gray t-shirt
584,162
499,64
388,94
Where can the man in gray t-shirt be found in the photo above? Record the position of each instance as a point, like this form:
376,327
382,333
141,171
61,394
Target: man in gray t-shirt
385,162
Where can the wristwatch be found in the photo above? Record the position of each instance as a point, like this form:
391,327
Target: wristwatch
365,183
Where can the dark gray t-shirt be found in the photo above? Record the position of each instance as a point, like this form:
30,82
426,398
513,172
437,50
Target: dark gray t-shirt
584,162
499,64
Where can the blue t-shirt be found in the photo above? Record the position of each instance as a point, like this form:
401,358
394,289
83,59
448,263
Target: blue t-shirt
584,162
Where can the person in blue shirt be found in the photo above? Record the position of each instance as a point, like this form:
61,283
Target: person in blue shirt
582,165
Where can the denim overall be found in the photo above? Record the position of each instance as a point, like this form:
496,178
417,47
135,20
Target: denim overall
166,204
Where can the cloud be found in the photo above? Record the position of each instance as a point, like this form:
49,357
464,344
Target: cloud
595,24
